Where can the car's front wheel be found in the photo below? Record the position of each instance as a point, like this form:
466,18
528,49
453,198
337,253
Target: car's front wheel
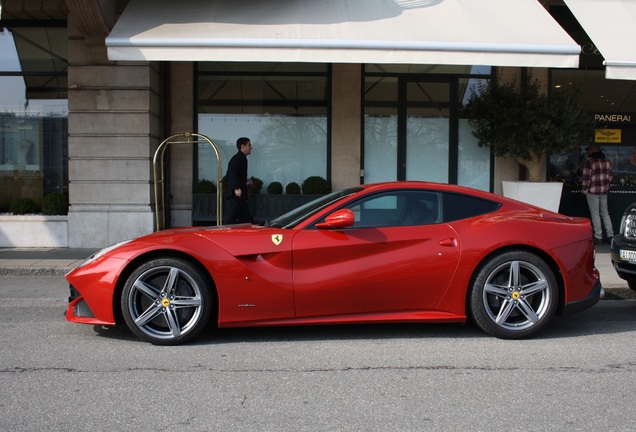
513,295
166,301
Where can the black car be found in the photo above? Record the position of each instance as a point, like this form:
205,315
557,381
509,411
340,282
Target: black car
623,250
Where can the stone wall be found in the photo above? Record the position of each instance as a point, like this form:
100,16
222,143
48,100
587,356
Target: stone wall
114,127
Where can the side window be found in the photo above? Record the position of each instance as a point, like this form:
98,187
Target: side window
377,211
422,209
457,207
398,208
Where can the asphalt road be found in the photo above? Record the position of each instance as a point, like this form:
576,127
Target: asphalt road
578,375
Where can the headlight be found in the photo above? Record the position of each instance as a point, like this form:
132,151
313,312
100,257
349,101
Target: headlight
628,226
102,252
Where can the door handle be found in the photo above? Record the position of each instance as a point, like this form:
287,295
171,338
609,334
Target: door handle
449,242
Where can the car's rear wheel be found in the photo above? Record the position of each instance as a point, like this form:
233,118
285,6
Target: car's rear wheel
166,301
631,285
513,295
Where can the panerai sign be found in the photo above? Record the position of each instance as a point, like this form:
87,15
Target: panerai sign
609,127
613,118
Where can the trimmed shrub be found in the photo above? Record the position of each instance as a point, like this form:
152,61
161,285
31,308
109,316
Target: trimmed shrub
275,188
55,203
292,188
204,187
316,185
257,185
22,206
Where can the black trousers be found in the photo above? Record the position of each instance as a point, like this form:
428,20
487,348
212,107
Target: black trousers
236,211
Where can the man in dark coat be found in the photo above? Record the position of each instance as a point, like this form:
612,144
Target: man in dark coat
236,208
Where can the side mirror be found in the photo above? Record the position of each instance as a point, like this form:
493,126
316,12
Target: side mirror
340,219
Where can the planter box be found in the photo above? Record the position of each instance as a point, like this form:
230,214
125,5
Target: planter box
33,231
546,195
263,207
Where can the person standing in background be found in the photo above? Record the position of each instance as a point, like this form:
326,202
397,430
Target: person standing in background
597,178
237,209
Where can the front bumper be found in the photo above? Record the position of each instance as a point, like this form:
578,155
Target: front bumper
79,311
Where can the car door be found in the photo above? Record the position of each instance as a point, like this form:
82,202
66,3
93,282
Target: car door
388,262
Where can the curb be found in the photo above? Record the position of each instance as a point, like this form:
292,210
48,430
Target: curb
31,271
619,294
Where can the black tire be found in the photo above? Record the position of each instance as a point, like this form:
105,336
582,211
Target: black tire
631,285
166,301
513,295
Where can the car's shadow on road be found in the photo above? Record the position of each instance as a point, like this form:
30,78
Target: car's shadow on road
607,317
313,333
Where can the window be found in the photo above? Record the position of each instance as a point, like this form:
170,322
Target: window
413,128
473,162
457,207
401,208
281,107
33,114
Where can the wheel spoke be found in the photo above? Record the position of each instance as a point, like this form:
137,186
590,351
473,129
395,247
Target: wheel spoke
183,302
504,312
513,280
527,310
170,286
534,288
496,290
148,290
173,322
149,314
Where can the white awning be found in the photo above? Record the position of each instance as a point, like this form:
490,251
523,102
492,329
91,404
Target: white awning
611,24
453,32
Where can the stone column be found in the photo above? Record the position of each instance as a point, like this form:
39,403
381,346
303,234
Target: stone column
182,115
114,128
346,136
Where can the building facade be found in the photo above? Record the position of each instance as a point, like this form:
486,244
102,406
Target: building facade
124,78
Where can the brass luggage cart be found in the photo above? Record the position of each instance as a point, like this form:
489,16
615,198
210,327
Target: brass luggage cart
159,174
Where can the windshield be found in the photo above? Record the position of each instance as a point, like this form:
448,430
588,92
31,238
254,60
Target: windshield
294,217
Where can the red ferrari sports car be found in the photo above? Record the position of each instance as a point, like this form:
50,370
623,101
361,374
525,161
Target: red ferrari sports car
390,252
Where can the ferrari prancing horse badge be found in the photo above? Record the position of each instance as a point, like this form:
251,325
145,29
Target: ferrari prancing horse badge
277,239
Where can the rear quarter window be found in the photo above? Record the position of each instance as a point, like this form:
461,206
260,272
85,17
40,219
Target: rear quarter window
457,206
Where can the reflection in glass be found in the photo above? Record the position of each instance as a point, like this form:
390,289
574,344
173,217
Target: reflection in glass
285,148
380,148
282,108
33,114
380,129
473,164
427,131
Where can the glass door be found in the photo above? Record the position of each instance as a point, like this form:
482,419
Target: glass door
426,133
406,129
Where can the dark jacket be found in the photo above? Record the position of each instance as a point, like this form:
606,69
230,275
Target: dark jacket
237,175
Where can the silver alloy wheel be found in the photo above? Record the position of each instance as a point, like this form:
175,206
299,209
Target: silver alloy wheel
165,302
517,295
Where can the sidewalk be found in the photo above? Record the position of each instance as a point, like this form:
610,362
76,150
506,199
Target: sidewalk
58,261
41,261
